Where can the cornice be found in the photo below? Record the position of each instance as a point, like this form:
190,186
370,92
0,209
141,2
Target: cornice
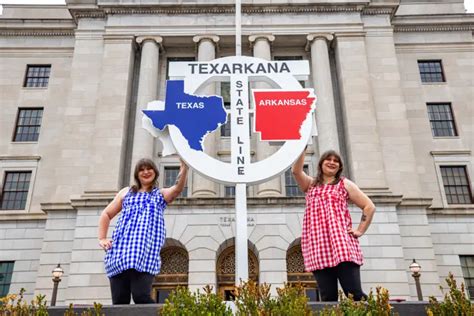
103,11
36,32
434,47
22,216
379,11
87,14
434,27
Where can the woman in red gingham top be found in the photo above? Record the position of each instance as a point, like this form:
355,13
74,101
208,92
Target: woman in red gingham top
329,244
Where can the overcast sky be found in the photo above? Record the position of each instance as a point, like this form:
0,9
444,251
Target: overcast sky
469,4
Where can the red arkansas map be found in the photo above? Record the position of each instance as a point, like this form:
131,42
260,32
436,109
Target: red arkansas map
279,114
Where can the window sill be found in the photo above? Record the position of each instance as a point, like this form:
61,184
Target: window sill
23,143
446,137
457,209
35,88
441,83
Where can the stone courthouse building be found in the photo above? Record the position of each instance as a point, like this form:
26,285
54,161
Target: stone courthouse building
395,82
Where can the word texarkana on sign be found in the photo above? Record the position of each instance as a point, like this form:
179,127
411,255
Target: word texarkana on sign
238,68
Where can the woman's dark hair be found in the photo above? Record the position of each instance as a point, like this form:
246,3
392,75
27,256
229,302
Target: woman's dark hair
319,177
141,164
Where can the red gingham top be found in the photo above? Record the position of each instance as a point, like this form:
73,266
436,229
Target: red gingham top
325,241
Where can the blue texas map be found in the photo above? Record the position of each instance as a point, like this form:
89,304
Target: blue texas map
193,115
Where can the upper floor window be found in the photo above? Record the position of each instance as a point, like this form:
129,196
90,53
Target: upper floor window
6,272
37,75
431,71
291,186
15,190
229,191
456,185
467,265
171,59
170,177
441,119
28,124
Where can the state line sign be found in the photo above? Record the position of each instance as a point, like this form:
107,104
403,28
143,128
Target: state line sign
283,114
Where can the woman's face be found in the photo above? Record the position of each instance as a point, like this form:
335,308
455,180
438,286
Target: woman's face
331,166
146,176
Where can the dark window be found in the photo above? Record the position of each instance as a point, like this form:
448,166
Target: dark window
171,59
291,186
15,190
431,71
279,58
229,191
28,125
171,173
441,119
467,265
225,93
162,295
456,184
37,75
6,271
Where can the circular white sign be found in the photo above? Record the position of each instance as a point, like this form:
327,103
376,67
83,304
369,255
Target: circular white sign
241,169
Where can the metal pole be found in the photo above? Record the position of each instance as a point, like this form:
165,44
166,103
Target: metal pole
241,247
238,28
55,291
416,276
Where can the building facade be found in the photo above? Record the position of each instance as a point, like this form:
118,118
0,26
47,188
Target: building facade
395,86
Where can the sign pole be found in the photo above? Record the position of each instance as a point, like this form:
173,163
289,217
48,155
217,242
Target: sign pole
241,247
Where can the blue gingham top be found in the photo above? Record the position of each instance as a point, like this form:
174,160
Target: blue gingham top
139,234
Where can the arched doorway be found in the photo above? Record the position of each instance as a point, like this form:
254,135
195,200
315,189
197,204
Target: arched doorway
226,271
174,271
296,273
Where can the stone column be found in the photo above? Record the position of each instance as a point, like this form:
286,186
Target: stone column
363,143
206,51
143,142
262,49
322,83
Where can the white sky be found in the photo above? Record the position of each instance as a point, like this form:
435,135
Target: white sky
469,4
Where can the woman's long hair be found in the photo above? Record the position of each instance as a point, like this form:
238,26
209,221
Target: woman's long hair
144,163
319,177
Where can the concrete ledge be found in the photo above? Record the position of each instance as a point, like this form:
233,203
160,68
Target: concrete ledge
404,308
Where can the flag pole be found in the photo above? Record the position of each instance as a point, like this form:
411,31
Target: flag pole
238,28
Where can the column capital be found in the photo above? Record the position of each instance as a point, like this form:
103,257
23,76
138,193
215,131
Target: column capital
326,36
311,38
142,38
255,37
211,37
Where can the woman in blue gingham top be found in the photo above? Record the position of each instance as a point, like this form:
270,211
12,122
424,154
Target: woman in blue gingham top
133,254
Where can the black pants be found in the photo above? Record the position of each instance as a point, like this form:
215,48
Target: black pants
134,283
348,274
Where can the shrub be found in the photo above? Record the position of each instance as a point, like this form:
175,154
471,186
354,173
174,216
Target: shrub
253,299
15,305
291,300
455,301
183,302
97,311
377,305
